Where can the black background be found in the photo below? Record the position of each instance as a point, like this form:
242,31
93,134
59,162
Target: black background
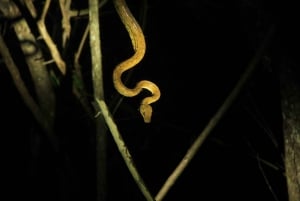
196,52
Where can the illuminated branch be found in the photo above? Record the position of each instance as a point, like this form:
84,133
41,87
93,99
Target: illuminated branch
65,22
215,119
51,45
124,150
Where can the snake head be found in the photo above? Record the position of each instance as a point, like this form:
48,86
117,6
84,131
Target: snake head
146,112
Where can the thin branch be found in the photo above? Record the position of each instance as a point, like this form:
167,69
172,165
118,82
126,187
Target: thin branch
215,119
65,7
80,47
51,45
30,6
124,150
261,161
79,88
45,10
266,179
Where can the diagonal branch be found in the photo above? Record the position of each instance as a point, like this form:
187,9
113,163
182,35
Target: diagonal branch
215,119
124,150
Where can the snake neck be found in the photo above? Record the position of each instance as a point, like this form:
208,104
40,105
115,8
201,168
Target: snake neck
132,26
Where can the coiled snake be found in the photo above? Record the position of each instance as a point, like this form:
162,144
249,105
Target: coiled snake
139,46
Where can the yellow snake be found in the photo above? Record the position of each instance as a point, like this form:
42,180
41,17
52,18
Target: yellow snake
139,46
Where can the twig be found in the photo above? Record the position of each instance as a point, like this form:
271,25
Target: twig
80,47
79,88
30,6
65,7
51,45
266,178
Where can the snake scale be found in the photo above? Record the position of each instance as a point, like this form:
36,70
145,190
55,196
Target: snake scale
139,46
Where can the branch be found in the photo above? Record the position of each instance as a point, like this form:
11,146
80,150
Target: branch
97,78
215,119
51,45
86,11
95,45
124,150
65,6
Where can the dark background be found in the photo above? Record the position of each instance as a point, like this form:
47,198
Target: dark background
196,52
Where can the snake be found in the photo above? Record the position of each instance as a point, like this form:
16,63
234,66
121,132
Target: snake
139,46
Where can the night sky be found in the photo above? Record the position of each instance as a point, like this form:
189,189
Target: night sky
196,52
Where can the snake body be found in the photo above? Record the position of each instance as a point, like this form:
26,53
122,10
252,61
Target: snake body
139,46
